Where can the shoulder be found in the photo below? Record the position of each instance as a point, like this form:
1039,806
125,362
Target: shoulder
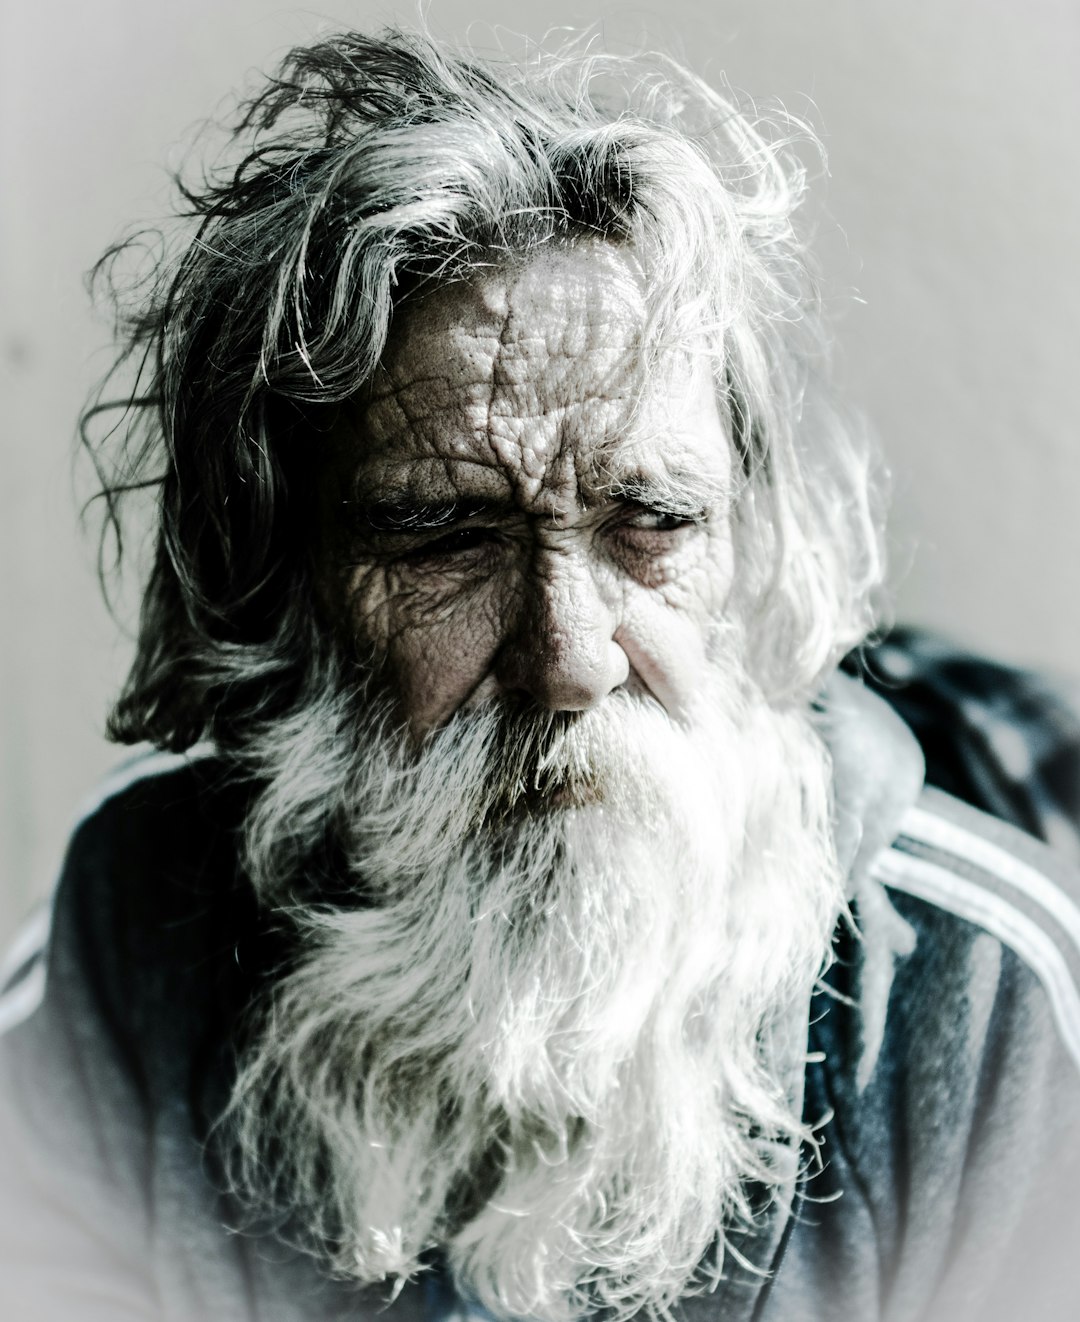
139,798
987,896
953,1134
950,1022
138,958
979,1076
971,1123
118,1013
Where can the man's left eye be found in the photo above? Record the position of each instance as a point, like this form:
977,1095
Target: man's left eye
658,521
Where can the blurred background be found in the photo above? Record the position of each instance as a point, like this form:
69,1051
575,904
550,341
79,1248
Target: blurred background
948,234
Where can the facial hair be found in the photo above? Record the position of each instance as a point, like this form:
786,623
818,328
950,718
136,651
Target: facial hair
551,1033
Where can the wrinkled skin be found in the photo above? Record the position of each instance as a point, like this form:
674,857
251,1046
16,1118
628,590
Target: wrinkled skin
526,508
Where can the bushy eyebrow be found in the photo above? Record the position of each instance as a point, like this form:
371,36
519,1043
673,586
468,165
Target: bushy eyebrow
407,514
683,495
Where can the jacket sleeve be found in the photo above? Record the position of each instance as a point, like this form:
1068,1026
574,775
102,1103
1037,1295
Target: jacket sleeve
984,1080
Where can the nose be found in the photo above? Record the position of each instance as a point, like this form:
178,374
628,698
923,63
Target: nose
560,648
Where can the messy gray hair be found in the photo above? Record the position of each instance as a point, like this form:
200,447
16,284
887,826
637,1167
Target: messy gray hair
367,168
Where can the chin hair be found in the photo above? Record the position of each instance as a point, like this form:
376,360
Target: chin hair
550,1023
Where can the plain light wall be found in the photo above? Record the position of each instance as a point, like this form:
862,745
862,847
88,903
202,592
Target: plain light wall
948,235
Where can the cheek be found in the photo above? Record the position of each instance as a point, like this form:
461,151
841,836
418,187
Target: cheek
667,632
434,639
694,579
717,573
694,566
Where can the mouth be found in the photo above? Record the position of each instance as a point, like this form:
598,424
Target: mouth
562,799
538,800
580,795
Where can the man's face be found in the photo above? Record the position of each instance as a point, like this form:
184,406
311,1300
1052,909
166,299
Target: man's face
532,510
546,1040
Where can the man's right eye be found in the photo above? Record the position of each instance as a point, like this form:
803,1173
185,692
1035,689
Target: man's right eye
453,543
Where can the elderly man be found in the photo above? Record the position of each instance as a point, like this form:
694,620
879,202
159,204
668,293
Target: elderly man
526,918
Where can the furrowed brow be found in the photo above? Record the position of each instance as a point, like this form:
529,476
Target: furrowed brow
406,514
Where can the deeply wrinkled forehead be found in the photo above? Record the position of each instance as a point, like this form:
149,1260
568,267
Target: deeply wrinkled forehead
540,373
566,312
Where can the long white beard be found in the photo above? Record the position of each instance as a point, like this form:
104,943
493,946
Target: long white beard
554,1041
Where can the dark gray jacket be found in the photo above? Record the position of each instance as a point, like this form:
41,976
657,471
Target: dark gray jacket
943,1062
